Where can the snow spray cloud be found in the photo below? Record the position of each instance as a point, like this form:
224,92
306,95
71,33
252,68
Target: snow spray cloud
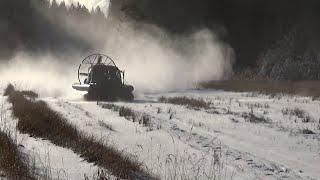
44,74
154,60
51,72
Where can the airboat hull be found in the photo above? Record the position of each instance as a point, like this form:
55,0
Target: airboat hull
81,87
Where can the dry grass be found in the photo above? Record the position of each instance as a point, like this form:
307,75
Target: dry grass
307,131
12,161
127,113
38,120
299,113
106,126
294,112
131,115
9,89
251,117
186,101
145,120
304,88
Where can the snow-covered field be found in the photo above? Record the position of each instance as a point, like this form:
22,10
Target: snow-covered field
226,141
49,160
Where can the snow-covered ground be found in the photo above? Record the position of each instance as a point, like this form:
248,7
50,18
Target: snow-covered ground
185,143
49,160
220,142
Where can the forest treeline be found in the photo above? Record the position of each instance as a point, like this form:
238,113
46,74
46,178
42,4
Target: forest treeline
276,39
40,26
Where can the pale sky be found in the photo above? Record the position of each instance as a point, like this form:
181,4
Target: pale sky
104,4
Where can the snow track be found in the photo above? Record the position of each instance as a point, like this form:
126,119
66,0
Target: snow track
201,144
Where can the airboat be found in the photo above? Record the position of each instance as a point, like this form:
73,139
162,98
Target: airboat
100,77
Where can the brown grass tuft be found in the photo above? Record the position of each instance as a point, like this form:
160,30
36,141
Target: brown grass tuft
130,114
299,113
186,101
127,113
9,89
307,131
106,126
251,117
11,161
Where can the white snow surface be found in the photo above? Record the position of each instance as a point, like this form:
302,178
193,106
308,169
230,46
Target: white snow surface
185,143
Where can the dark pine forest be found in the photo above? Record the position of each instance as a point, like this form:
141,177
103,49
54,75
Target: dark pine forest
274,39
277,39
